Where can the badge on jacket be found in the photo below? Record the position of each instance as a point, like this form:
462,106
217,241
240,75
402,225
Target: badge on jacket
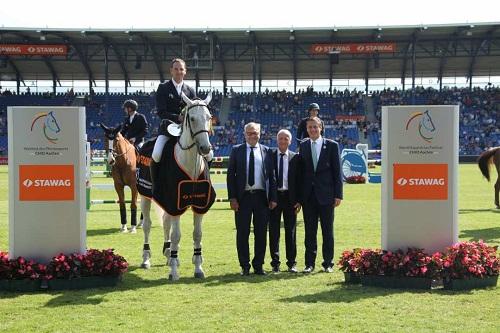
170,95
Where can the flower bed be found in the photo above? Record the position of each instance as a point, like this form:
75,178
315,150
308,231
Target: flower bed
355,180
472,261
95,268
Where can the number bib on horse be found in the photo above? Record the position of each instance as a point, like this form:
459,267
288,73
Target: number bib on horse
175,191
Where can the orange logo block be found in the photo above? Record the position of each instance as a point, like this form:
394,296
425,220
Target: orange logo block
46,183
420,182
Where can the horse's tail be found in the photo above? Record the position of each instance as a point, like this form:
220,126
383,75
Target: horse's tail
484,161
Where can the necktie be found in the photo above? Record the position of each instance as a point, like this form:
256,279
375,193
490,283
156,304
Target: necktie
280,171
251,168
314,155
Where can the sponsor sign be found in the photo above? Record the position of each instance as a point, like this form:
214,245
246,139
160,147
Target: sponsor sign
419,176
46,181
35,49
353,48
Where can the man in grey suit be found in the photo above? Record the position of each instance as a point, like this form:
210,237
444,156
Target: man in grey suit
251,187
321,191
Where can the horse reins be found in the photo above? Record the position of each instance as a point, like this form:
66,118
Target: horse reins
188,121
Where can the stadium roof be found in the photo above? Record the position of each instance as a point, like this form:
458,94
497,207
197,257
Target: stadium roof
234,54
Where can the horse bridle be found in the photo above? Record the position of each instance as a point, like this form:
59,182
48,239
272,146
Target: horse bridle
188,121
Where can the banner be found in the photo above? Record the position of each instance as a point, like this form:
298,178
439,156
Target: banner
33,49
47,179
419,177
353,48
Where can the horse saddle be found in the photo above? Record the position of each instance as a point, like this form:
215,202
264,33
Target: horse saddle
174,129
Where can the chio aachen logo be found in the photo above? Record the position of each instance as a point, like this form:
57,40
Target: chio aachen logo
50,127
426,126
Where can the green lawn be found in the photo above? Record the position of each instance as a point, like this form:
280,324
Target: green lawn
147,302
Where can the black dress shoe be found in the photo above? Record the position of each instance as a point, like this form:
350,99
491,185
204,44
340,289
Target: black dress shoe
308,269
276,269
245,272
259,271
293,269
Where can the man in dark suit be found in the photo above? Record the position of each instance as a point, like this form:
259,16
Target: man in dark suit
285,165
313,111
251,189
169,103
135,125
321,191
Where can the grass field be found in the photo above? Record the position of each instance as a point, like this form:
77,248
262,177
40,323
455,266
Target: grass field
147,302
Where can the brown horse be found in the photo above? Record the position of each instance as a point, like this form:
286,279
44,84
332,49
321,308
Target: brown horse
491,156
122,160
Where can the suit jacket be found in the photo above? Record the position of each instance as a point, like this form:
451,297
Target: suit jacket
138,129
293,158
237,172
168,102
327,179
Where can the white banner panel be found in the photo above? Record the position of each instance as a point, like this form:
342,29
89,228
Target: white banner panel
46,181
419,176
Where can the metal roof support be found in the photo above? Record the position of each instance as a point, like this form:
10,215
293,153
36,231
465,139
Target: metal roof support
108,41
82,57
156,57
19,76
485,42
294,61
254,60
367,73
413,67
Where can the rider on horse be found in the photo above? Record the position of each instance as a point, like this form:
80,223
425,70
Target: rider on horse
135,125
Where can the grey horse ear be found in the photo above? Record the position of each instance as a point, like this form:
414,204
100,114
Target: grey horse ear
186,100
208,98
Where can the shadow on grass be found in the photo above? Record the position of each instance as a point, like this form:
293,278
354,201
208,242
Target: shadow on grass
486,235
132,281
102,232
482,210
340,292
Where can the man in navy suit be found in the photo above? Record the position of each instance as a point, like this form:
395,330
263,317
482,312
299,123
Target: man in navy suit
285,164
169,103
135,125
251,189
321,191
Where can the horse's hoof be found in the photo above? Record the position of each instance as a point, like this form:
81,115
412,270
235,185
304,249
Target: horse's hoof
146,265
199,275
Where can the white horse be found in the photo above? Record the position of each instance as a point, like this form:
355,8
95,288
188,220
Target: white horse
192,152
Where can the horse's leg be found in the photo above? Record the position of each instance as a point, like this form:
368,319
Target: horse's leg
176,237
197,257
497,190
167,223
123,209
146,250
133,208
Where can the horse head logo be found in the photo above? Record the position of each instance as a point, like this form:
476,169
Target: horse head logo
50,127
426,126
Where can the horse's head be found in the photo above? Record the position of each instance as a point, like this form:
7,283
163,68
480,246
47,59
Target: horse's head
119,142
197,123
51,122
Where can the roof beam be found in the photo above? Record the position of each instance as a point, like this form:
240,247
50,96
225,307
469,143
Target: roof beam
109,42
156,57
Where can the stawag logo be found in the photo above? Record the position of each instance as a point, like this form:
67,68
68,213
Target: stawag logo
46,183
425,127
420,182
50,126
